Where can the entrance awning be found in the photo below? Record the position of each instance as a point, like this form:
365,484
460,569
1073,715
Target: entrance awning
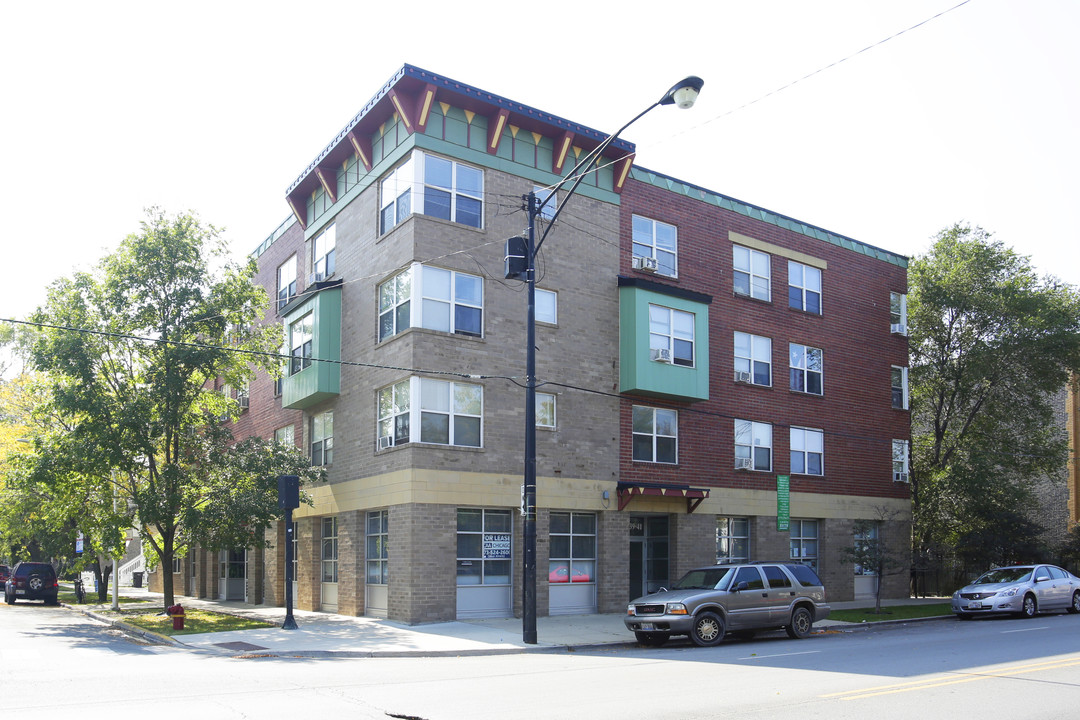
694,496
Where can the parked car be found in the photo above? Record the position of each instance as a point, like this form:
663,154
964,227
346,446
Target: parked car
32,581
4,572
1023,590
709,602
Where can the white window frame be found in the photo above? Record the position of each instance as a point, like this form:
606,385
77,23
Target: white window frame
547,306
412,296
323,253
286,435
650,239
286,282
412,175
732,539
396,195
455,190
423,400
898,380
900,451
546,410
651,422
751,263
898,310
758,346
670,330
807,443
799,278
799,364
860,541
749,437
301,342
322,439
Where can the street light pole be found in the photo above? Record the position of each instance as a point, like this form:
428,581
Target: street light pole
683,94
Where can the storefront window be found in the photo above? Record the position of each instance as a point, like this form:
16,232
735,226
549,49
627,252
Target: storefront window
484,547
572,558
732,539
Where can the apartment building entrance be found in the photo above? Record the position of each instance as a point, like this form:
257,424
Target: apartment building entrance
232,582
648,554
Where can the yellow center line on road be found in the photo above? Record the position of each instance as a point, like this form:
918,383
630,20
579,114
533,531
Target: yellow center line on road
957,679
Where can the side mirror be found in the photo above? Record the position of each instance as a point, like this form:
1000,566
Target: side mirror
1042,578
740,586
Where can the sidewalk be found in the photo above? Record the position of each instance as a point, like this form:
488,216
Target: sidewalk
321,634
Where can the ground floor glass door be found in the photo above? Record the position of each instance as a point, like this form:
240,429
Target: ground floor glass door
648,554
232,582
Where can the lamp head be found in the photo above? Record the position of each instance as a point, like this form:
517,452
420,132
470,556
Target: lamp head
684,93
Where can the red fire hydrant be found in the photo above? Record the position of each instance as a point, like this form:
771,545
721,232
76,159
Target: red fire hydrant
177,614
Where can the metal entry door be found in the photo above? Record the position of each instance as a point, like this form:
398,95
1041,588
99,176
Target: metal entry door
648,554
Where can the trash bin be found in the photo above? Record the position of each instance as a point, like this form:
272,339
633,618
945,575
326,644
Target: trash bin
136,579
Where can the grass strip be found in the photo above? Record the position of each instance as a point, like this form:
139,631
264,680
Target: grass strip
891,612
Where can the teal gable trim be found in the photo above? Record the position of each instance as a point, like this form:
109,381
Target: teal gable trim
664,182
321,380
638,373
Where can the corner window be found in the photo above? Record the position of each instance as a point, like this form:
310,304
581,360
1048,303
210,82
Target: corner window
434,186
448,413
807,451
805,365
445,300
671,336
752,273
753,359
732,540
300,339
657,240
753,445
322,439
545,410
900,387
655,435
323,252
286,282
804,287
898,313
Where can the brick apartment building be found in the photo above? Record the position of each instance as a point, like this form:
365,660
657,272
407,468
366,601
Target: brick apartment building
717,381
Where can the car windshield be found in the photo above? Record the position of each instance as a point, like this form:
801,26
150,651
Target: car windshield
706,579
1004,575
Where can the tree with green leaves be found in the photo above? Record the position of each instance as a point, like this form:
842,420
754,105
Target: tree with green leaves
874,552
133,352
991,341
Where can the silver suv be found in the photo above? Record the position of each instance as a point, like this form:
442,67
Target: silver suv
709,602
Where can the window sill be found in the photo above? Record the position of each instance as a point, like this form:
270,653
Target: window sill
800,311
806,394
751,298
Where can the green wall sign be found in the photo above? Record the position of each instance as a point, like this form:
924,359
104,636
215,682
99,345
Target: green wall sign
783,502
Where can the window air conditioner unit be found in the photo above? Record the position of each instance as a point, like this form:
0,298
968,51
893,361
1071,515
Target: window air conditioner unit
661,355
898,329
386,441
315,277
744,464
742,376
646,264
900,477
245,402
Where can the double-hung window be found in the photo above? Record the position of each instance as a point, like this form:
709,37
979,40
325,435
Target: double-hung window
655,435
807,451
898,313
753,359
753,445
432,298
658,240
752,273
545,410
804,287
448,413
900,460
286,282
547,306
300,341
899,387
806,366
322,439
671,335
323,251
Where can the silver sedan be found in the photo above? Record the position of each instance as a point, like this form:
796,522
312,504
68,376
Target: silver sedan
1023,590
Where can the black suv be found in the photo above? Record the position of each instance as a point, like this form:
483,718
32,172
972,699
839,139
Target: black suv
32,581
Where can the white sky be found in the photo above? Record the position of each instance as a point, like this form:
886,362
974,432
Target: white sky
218,106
